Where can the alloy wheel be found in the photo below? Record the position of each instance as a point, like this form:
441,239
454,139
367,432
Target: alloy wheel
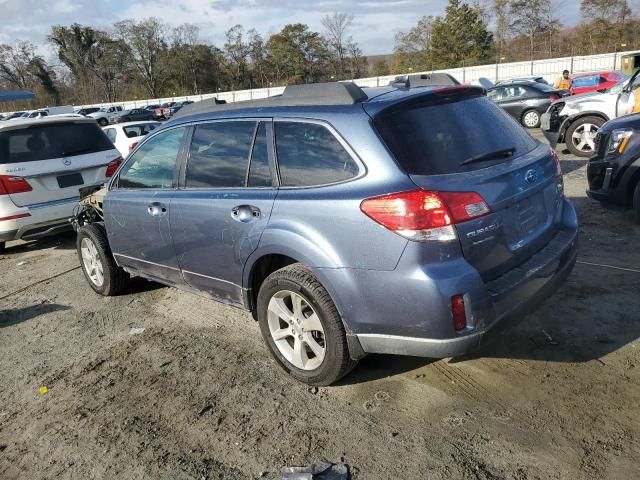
531,119
584,136
91,262
296,330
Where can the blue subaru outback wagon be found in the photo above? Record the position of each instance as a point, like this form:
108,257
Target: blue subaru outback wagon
349,221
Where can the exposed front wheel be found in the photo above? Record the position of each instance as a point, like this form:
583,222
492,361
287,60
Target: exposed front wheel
103,122
581,136
531,119
97,262
2,245
302,327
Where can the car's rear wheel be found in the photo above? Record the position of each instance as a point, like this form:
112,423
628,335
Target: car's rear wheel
302,327
581,136
97,262
531,119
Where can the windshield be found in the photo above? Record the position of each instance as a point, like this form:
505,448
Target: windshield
458,136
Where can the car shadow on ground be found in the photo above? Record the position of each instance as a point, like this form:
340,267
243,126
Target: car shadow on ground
569,166
376,367
140,285
13,316
62,241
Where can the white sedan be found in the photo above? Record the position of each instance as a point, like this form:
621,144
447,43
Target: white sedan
126,136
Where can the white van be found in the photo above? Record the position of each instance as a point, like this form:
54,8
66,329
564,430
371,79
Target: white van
43,163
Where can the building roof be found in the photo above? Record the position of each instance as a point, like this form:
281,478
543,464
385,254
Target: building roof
9,96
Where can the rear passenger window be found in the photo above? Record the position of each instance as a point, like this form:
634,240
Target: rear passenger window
309,154
111,133
259,172
219,154
153,165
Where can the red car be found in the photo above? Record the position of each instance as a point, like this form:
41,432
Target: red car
595,81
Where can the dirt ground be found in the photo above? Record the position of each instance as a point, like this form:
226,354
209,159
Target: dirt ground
196,395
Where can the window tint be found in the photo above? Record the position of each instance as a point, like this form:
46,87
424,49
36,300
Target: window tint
153,164
219,154
431,139
309,154
52,141
588,81
111,133
259,172
133,131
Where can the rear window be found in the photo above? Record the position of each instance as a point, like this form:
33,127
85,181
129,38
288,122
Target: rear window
51,141
452,137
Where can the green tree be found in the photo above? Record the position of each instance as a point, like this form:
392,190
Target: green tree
297,55
381,68
413,48
460,37
146,51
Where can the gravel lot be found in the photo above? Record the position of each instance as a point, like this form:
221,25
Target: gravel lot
197,396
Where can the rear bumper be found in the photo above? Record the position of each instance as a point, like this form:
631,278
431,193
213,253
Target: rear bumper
44,219
407,311
532,293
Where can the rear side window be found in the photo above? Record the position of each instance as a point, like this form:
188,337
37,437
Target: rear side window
452,137
309,154
44,142
111,133
219,154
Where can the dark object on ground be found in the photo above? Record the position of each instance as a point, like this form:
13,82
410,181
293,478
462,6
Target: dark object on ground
322,470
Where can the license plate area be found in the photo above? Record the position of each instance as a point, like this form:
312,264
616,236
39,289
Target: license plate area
525,218
70,180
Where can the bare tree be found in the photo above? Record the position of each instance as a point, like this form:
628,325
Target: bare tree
336,26
531,18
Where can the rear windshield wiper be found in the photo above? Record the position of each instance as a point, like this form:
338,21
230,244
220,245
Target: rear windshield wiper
504,153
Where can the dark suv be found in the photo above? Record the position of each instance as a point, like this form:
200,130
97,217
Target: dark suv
613,171
348,221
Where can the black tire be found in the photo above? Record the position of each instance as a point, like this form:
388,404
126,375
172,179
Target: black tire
115,278
2,247
597,121
636,202
524,114
103,122
337,361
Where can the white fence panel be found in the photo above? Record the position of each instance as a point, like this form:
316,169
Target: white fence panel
550,69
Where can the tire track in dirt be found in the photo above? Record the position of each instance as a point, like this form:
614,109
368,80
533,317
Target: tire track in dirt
467,384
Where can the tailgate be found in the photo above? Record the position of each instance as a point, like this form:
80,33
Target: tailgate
525,198
54,158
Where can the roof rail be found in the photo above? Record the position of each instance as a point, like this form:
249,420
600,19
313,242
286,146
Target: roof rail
333,93
424,80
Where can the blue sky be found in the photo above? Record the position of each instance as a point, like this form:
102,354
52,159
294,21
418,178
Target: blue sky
376,21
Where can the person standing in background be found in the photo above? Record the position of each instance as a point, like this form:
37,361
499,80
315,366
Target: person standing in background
564,82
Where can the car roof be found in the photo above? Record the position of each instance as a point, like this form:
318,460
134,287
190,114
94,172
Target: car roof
311,99
18,124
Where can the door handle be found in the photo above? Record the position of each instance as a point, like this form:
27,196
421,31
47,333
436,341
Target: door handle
245,213
157,209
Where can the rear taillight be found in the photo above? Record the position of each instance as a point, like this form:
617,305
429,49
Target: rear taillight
133,146
423,215
458,312
557,160
113,166
12,185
